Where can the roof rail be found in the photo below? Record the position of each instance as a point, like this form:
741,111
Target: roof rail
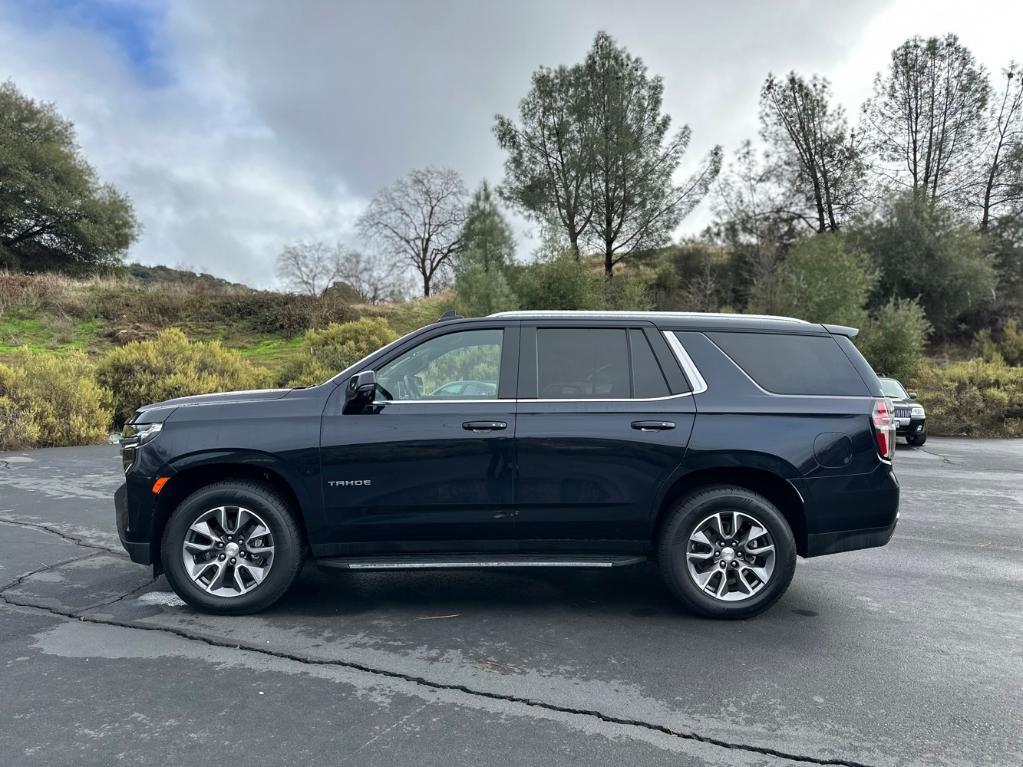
609,313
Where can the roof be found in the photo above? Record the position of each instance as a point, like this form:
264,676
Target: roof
679,320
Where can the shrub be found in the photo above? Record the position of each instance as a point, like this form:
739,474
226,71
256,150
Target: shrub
932,251
482,292
562,282
169,365
51,400
327,352
893,340
821,280
974,398
1009,349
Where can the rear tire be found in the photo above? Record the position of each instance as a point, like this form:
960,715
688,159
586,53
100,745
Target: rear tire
267,564
724,515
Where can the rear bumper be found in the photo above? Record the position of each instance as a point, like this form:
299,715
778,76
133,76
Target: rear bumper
819,544
844,513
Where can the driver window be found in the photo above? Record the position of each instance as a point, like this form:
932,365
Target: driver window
462,365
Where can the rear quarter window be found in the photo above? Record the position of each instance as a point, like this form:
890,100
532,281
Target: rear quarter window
793,364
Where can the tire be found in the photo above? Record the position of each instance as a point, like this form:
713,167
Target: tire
695,514
280,552
916,440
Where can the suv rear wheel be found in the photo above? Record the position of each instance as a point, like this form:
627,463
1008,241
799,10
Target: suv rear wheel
232,548
726,552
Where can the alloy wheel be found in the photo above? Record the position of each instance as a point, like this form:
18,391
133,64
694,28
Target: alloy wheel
730,556
228,551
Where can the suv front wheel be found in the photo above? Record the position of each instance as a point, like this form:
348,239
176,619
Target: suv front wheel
232,548
726,552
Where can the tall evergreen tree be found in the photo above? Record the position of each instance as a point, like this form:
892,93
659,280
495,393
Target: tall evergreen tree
486,237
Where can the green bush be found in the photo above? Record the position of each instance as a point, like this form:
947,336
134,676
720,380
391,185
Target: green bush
51,400
169,365
893,340
481,292
562,282
974,398
821,280
327,352
1009,349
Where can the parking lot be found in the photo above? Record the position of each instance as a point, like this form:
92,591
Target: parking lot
909,654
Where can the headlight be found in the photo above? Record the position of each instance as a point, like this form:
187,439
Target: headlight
133,436
917,411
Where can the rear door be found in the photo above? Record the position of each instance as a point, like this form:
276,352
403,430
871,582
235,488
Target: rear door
604,416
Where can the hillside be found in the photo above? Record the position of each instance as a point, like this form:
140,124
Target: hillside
49,312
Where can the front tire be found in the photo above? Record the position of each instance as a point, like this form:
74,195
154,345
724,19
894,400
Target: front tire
726,552
916,440
231,548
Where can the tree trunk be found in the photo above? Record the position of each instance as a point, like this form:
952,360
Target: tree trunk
426,285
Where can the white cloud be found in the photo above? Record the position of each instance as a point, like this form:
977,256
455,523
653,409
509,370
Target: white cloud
270,122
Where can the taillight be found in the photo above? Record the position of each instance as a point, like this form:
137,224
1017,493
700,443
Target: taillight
883,419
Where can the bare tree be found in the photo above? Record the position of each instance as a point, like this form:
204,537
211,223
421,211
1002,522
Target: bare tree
1003,180
373,277
815,153
927,117
309,267
418,220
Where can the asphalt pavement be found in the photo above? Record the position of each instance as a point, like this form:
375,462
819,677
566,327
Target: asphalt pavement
911,654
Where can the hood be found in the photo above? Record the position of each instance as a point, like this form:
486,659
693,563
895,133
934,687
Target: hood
158,411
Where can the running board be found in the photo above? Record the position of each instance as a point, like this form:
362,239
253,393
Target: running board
475,561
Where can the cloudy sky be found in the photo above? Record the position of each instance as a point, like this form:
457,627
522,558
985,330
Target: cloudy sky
240,126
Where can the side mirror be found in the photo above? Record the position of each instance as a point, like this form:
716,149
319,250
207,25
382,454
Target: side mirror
912,394
360,391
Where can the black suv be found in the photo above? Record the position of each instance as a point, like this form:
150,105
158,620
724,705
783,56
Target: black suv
719,446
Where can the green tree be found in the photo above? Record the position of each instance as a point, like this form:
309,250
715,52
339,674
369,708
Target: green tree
325,353
635,201
816,157
821,280
485,249
929,251
593,153
54,213
927,118
893,340
549,162
486,238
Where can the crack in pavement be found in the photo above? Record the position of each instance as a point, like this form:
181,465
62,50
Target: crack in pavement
83,616
67,537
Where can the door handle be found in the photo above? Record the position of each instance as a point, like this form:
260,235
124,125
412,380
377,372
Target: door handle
653,425
484,425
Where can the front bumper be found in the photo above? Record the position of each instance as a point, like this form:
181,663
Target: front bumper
138,550
908,427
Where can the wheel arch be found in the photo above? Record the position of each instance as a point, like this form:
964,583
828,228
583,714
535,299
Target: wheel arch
772,486
198,471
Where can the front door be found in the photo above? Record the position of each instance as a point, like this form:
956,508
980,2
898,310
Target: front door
432,459
604,418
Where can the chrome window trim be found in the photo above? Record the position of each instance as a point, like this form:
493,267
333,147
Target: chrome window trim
696,380
516,400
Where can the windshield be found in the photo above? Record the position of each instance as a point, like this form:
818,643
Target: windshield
892,388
